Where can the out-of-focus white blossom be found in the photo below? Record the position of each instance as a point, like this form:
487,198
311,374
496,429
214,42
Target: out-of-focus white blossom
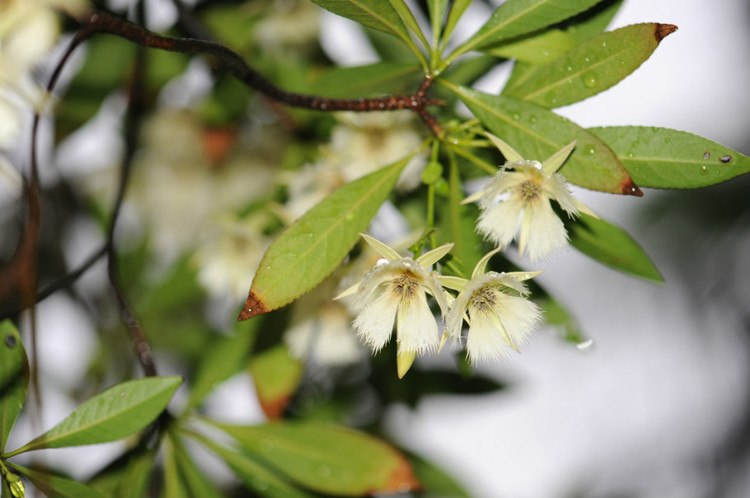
494,305
321,328
228,258
523,190
365,142
288,26
176,189
395,290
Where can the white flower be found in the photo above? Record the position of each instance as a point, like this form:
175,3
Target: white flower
523,189
320,329
499,317
396,290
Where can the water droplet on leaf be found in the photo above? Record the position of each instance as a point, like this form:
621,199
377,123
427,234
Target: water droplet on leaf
707,155
516,117
590,79
704,170
585,345
725,159
592,151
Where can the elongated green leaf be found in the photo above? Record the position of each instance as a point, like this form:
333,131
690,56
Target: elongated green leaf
55,486
409,20
519,17
226,357
437,10
458,7
276,376
365,81
537,133
593,21
310,249
135,479
256,477
539,49
175,485
593,66
14,378
665,158
611,245
327,458
435,481
116,413
194,479
377,14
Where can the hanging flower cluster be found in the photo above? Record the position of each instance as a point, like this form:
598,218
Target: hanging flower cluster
494,305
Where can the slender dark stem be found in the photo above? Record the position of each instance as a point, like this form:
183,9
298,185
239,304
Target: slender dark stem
102,22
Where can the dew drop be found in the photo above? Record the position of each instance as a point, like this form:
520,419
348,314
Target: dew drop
635,143
10,341
268,267
630,154
707,155
592,151
570,80
585,345
704,170
532,119
604,44
667,140
323,470
725,159
590,79
622,62
349,216
570,68
587,59
545,53
554,101
516,117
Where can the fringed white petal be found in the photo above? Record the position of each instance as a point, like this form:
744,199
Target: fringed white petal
374,323
417,330
557,188
542,231
519,317
485,342
499,222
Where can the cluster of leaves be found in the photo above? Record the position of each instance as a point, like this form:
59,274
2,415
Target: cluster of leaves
560,55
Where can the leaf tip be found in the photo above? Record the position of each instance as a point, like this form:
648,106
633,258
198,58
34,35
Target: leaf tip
402,478
628,187
663,30
253,307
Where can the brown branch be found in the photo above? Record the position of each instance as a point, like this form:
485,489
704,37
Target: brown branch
102,22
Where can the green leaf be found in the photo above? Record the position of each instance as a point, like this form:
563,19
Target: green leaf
55,486
327,458
665,158
593,66
175,485
537,133
364,81
408,18
458,7
137,475
436,482
519,17
256,477
376,14
276,376
611,245
539,49
311,248
593,21
116,413
226,357
194,479
14,378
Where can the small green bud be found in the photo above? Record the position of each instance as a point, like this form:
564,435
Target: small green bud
15,484
432,173
441,187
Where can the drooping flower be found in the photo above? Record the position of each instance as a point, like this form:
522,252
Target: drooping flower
524,189
494,305
396,290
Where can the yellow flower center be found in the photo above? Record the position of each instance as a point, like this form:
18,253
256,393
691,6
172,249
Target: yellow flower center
483,299
406,285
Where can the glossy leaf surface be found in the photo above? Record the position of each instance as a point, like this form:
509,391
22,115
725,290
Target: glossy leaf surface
665,158
593,66
276,376
116,413
377,14
540,49
14,378
327,458
537,133
311,248
518,17
611,245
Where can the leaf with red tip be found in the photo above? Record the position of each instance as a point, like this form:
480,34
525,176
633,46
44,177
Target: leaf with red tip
328,459
311,248
276,376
